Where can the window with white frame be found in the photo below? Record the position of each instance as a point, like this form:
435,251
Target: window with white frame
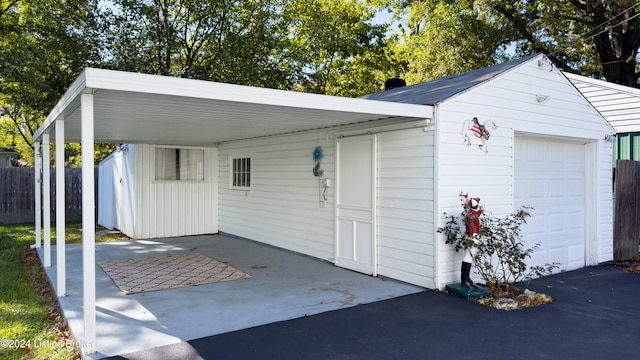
241,173
179,164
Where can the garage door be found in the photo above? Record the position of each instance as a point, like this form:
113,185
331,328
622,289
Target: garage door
549,176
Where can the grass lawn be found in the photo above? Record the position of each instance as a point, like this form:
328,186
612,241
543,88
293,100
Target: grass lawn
31,323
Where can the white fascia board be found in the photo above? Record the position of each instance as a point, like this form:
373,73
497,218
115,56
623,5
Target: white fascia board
173,86
72,93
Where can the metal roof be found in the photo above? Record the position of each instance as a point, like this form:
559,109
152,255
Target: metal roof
142,108
436,91
618,104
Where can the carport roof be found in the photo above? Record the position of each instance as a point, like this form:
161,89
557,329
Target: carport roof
141,108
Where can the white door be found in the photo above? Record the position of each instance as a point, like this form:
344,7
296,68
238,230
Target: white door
355,204
549,176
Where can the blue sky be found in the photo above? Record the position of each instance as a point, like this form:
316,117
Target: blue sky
382,17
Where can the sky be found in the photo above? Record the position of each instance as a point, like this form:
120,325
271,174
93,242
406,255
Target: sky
382,17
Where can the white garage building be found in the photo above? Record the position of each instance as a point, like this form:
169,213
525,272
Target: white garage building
548,151
208,157
389,182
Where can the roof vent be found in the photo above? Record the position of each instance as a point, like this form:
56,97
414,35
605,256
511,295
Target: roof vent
394,83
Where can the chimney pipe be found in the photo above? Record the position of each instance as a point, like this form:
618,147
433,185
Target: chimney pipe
394,83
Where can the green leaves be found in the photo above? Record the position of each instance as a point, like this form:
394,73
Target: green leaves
592,37
286,44
325,46
43,47
441,38
499,253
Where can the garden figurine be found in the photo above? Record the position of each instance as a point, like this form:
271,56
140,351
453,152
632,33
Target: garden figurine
473,212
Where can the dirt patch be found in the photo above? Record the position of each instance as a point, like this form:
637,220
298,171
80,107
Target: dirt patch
633,268
519,301
633,264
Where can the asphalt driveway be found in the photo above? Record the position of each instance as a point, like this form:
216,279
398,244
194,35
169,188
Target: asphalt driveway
595,315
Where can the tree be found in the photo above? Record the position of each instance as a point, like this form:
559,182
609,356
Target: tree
591,37
338,49
285,44
44,46
579,31
324,46
441,38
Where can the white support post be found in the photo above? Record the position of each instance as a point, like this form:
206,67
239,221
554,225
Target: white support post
38,187
88,224
46,198
60,211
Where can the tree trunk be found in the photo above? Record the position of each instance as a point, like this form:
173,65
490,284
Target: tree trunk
617,40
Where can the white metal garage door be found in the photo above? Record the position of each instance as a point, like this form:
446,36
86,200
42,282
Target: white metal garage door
549,176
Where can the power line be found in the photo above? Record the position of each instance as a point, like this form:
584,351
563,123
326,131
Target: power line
613,18
606,29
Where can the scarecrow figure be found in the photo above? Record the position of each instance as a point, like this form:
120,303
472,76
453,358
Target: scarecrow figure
473,211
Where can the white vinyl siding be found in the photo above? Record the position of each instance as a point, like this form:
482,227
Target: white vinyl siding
618,104
510,101
405,206
602,237
283,207
116,195
175,208
5,161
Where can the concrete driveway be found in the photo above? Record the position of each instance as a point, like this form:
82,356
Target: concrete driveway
594,315
283,286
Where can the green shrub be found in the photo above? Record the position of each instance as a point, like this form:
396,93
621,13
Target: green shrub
500,253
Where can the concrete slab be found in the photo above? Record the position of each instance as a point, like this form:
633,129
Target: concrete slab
283,286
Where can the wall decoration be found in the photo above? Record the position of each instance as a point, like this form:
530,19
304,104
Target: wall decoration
323,184
317,156
473,132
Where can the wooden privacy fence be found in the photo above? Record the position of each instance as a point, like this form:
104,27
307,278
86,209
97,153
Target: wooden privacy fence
626,223
17,194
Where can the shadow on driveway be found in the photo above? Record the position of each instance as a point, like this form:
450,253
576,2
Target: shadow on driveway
594,315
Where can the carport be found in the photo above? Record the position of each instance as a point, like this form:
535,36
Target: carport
105,106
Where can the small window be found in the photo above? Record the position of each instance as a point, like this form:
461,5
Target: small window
179,164
241,173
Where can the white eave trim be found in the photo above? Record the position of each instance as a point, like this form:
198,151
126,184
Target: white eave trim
100,79
173,86
72,93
